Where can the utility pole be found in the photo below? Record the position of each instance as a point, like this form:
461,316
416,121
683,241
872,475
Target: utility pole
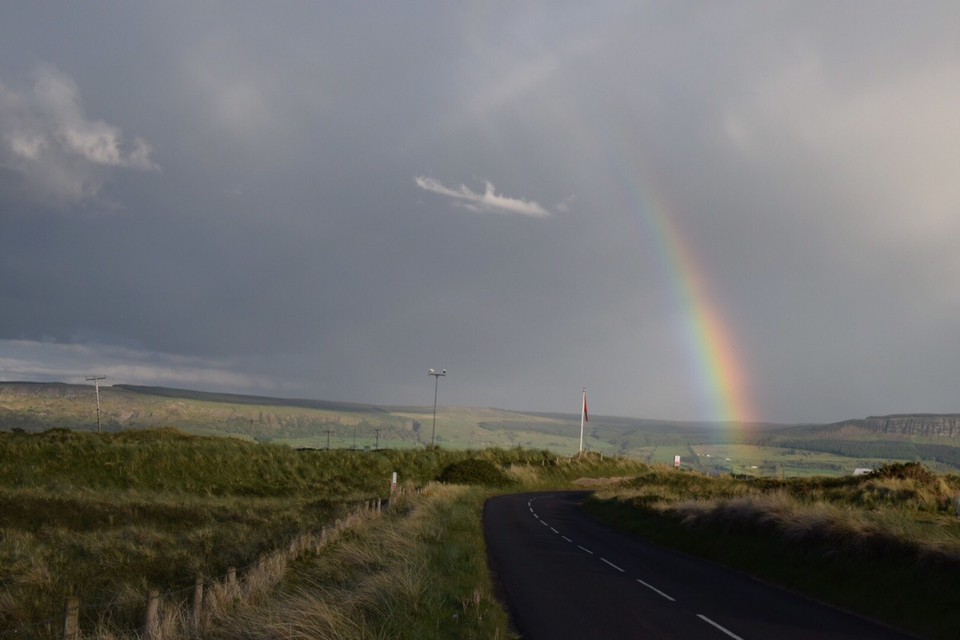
436,386
96,385
328,432
377,447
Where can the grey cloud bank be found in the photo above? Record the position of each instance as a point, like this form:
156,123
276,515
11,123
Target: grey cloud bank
52,149
299,200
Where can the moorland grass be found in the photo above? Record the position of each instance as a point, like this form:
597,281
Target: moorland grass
419,572
886,545
108,516
114,548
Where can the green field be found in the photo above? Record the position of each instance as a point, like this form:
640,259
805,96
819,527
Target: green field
713,448
752,460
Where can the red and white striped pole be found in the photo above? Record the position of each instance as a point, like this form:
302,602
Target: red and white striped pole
583,418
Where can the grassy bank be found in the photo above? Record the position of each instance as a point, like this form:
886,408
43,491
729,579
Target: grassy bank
420,571
108,517
887,545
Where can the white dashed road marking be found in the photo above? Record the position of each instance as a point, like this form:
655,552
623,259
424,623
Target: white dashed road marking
646,584
612,565
654,589
726,631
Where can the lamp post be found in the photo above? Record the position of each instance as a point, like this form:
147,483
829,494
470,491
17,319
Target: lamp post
436,387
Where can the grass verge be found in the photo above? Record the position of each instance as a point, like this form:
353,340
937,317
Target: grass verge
417,572
885,547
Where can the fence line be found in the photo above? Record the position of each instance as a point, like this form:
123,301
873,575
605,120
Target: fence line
208,600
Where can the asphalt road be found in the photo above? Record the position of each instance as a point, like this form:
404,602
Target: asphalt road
566,576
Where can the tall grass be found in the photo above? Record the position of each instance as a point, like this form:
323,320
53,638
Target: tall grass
100,547
887,544
107,517
169,461
418,572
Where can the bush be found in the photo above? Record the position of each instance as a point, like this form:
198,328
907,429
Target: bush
474,471
905,471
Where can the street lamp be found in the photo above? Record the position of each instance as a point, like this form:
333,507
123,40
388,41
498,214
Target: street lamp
436,386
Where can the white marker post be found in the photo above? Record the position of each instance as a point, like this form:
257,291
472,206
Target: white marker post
393,483
676,462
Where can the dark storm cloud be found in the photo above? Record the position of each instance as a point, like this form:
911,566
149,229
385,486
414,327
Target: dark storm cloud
283,199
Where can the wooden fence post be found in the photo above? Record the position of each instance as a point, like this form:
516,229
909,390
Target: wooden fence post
71,616
232,580
151,620
197,601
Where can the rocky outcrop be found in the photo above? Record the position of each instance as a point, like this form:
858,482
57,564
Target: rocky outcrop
945,425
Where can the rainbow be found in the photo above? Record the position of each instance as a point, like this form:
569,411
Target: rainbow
711,347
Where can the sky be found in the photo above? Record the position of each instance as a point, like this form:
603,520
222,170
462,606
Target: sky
736,211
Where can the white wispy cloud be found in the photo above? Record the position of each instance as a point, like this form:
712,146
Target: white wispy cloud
488,201
60,154
565,204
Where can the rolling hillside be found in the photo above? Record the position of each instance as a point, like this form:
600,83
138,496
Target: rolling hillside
715,448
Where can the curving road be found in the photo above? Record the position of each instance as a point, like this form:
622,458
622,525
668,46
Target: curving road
567,576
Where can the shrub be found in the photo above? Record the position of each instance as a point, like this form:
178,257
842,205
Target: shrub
904,471
474,471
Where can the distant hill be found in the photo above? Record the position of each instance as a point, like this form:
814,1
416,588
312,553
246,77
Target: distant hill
709,447
925,437
920,424
35,406
232,398
941,426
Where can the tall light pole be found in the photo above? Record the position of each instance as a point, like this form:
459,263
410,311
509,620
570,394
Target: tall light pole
436,387
96,384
